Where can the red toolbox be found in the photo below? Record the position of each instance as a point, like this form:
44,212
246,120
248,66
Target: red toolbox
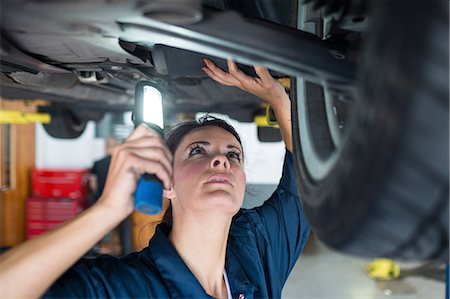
43,214
59,183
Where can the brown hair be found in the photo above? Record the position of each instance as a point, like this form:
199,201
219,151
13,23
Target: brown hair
178,132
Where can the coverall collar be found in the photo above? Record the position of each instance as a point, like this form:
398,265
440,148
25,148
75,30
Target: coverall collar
181,282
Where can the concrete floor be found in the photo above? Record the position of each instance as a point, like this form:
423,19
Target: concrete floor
324,274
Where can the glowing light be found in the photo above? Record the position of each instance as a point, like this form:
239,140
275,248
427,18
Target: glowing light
152,106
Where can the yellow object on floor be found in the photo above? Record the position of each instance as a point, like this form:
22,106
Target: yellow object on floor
383,269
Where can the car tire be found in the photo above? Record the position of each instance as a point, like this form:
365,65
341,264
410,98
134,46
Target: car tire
65,123
384,192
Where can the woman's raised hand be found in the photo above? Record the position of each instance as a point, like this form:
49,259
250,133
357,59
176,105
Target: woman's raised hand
264,87
144,151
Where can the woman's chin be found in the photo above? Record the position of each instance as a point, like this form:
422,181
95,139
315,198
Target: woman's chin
223,201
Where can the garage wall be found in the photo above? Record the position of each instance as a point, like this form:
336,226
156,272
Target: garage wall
68,153
263,161
21,144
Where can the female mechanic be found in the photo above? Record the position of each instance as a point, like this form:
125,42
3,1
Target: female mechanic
211,248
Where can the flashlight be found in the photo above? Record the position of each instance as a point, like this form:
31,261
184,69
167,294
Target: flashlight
148,109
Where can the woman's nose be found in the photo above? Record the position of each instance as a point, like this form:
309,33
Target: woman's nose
220,161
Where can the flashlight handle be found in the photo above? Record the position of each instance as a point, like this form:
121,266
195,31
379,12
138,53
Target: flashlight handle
148,194
149,190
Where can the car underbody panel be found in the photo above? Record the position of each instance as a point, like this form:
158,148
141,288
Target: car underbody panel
92,53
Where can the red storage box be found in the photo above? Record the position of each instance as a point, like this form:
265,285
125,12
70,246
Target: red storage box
59,183
43,214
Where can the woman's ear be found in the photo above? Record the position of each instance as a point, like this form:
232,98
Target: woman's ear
170,194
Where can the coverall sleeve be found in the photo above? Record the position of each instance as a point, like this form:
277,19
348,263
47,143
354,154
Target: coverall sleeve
102,277
280,226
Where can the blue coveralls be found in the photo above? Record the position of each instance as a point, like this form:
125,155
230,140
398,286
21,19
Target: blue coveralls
263,246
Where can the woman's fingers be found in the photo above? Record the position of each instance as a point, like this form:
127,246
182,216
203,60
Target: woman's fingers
235,76
139,166
145,147
245,81
144,151
264,86
263,73
141,131
215,77
149,142
219,75
152,156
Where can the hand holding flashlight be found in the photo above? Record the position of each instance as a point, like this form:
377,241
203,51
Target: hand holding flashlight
148,110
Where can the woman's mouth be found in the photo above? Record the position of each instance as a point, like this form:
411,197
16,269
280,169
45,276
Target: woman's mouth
219,179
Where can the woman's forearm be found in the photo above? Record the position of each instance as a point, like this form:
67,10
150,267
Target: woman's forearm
29,269
282,110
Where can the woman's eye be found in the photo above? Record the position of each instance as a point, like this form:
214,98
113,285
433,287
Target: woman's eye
196,151
234,155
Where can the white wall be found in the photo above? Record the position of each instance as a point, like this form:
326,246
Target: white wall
263,161
68,153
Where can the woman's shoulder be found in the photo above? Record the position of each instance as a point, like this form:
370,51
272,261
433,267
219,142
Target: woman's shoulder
106,276
111,265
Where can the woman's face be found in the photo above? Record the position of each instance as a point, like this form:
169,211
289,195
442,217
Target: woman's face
209,172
